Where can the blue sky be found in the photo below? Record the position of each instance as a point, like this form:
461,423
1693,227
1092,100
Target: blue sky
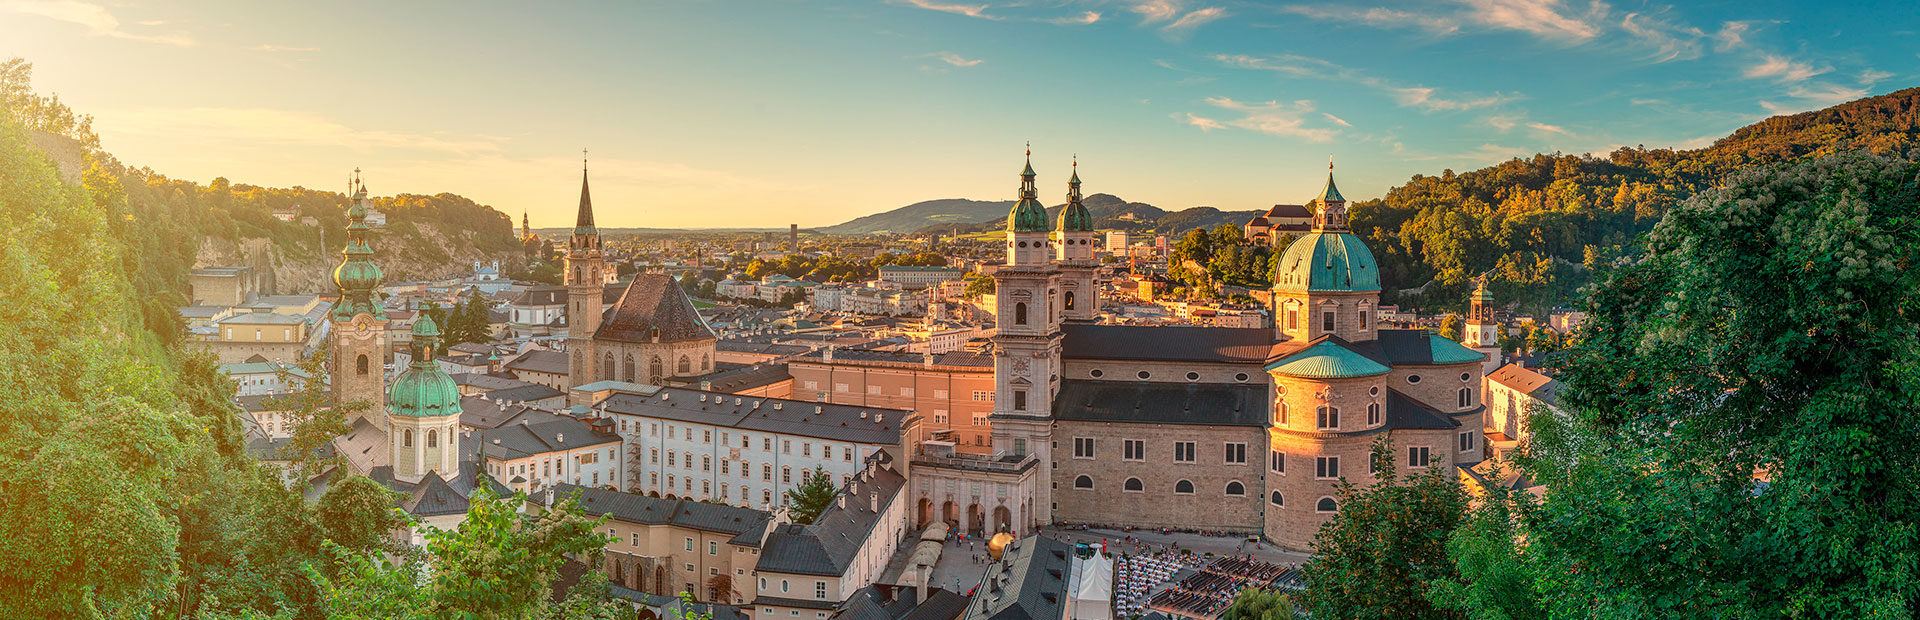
747,113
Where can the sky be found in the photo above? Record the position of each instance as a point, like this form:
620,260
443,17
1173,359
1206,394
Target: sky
747,113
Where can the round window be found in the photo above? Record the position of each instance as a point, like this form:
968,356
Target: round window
1242,377
1413,378
1145,374
1193,376
1373,391
1096,373
1465,375
1023,244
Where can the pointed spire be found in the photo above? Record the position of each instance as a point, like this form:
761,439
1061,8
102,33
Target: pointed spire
1331,193
583,223
1028,215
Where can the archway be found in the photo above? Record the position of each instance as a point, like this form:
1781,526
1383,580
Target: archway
925,514
950,513
976,520
1002,519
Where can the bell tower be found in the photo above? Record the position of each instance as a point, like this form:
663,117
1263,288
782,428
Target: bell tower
1482,332
1026,364
1073,244
585,280
359,329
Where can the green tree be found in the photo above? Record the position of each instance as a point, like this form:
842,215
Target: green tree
1451,326
359,515
1261,604
497,564
1379,555
1741,406
314,417
815,492
1496,579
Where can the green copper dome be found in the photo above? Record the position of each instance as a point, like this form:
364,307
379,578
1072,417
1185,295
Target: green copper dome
357,272
1327,361
1028,216
1076,218
1331,193
424,390
1327,261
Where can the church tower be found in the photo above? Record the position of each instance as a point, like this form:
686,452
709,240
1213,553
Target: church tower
586,282
1073,244
425,412
1026,371
359,329
1482,332
1327,282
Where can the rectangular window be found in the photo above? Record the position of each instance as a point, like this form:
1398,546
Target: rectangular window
840,387
670,458
1236,454
1466,441
786,446
979,419
713,548
983,395
806,449
873,389
1417,456
1326,467
1134,450
826,451
820,589
1278,462
1329,417
1083,447
1366,321
636,539
1019,400
1183,452
670,431
1293,318
906,391
1326,320
940,416
653,430
724,467
813,385
940,394
706,436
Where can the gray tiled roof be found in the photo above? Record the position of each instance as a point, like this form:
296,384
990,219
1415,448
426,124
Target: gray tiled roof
485,381
870,425
829,545
550,362
652,302
890,602
552,434
486,414
1028,583
1403,412
1142,402
744,378
524,393
640,509
857,356
1250,345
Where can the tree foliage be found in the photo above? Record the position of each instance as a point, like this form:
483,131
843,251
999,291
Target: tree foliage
1261,604
1378,555
812,496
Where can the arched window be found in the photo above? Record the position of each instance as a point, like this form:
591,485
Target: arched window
433,438
1183,487
654,369
1134,484
607,368
1293,316
1083,482
1373,414
706,362
1329,417
686,365
1069,300
626,368
1276,499
361,364
1366,318
1020,313
1236,489
1466,397
1280,414
406,438
1327,505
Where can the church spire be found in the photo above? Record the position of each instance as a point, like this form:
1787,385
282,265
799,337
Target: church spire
1075,217
1330,208
1028,215
583,223
357,275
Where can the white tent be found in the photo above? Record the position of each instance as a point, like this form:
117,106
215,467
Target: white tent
1093,589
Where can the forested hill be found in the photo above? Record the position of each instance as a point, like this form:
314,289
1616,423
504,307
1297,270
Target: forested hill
1542,224
966,216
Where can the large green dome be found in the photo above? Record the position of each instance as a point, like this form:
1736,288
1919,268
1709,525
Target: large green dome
1327,360
1027,216
424,390
1327,261
357,272
1076,218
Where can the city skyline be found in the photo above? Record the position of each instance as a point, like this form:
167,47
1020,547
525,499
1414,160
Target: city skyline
837,111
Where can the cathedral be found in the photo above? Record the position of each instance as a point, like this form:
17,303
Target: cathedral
1244,430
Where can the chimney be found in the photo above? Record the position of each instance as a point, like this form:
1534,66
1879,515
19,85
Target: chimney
827,354
920,587
843,502
873,502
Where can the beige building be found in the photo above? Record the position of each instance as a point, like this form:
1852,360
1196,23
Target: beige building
953,391
668,546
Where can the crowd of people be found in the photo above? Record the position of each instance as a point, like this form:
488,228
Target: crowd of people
1208,593
1134,574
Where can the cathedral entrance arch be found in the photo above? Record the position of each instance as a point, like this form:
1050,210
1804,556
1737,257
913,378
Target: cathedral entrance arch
1002,519
950,513
976,520
925,514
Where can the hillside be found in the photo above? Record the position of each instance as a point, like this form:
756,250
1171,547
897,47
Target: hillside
919,215
1543,225
1109,211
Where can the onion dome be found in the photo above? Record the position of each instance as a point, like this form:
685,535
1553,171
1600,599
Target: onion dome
357,275
1330,193
424,390
1327,360
1028,215
1075,217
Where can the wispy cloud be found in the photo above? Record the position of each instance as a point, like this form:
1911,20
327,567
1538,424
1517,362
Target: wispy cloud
1336,120
1194,19
97,20
283,48
1422,97
969,10
1154,11
1545,128
1731,35
1077,20
1503,122
1783,69
957,60
1543,18
1670,41
1870,76
1640,101
1377,17
1268,117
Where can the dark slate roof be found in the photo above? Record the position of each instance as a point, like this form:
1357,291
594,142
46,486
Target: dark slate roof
435,495
803,603
751,537
479,413
543,295
761,348
1403,412
871,425
1028,583
1142,402
891,602
640,509
1289,211
550,362
1404,346
485,381
524,393
744,378
940,605
1249,345
828,545
540,433
654,301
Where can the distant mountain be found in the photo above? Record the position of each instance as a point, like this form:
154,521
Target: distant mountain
1109,211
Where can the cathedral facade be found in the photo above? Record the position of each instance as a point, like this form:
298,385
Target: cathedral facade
1245,430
